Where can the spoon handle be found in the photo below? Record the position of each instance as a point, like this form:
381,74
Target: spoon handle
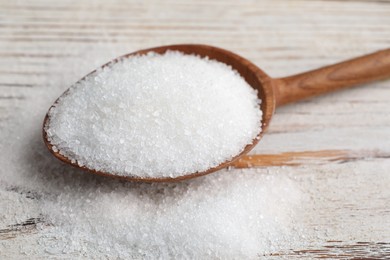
352,72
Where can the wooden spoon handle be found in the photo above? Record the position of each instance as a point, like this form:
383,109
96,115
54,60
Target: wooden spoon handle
360,70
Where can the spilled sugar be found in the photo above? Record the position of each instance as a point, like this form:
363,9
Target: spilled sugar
238,214
226,215
156,116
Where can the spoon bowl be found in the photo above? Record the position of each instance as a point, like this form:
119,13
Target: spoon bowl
255,77
272,92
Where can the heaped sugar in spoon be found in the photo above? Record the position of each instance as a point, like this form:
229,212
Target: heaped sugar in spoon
176,112
155,116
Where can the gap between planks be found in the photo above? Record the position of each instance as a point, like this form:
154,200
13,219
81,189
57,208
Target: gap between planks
307,158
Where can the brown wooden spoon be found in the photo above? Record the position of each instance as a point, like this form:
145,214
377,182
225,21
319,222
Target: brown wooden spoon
272,92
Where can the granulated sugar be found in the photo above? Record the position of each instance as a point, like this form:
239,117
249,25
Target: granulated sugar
156,116
237,214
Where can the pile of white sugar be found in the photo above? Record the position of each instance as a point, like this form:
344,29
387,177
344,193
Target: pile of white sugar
236,214
156,116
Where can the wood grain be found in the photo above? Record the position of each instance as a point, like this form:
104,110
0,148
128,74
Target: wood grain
368,68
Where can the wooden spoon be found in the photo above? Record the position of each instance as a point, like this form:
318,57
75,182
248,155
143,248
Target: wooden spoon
272,92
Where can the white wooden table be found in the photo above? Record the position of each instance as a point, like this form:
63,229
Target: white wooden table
338,146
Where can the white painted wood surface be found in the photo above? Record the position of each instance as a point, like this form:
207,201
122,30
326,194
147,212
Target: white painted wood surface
349,188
